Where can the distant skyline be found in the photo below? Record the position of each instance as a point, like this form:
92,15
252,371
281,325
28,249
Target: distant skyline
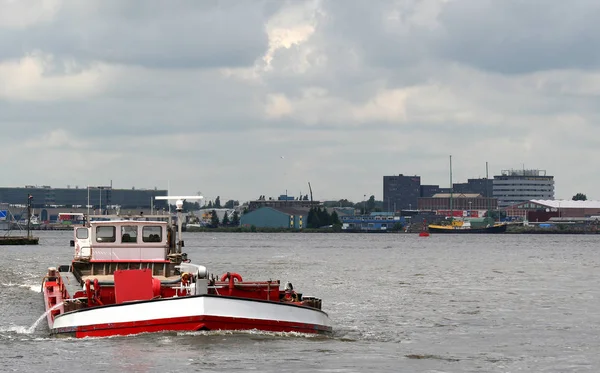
246,98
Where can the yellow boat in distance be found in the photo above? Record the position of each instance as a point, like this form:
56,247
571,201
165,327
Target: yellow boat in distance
483,225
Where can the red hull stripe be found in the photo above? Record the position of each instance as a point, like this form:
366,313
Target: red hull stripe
191,323
129,261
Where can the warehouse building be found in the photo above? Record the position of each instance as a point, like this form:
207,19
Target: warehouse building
276,217
544,210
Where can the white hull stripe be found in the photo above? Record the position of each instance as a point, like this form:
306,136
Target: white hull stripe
218,306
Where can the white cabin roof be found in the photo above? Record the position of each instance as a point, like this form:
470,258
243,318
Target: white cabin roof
127,222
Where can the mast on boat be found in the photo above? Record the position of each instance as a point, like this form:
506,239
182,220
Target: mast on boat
487,190
179,207
451,194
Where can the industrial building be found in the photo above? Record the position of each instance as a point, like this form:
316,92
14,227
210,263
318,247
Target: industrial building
544,210
282,203
99,197
276,217
458,204
515,186
483,187
48,202
405,192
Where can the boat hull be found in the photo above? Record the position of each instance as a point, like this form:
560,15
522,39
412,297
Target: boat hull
501,228
191,313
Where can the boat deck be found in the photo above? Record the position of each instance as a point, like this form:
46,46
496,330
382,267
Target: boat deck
70,282
111,278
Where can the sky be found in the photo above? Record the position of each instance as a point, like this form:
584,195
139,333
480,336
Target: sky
239,99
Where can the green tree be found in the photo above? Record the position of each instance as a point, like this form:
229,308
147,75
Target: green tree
371,204
324,217
225,221
231,204
397,227
335,219
214,219
340,203
235,219
345,203
319,217
579,197
496,214
218,202
313,218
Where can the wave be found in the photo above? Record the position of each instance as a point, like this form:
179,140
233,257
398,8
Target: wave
250,332
16,329
35,288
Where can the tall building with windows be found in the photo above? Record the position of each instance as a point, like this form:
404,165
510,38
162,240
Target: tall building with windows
401,192
515,186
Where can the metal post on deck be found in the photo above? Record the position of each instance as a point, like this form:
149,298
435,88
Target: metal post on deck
179,224
29,200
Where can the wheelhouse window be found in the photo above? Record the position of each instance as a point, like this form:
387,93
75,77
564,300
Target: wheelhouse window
82,233
152,234
105,234
129,234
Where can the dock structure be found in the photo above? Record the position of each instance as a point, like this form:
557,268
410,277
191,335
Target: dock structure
19,240
8,239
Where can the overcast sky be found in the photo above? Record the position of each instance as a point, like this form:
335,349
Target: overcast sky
246,98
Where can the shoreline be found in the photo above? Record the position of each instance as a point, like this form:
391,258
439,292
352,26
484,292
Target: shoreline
510,230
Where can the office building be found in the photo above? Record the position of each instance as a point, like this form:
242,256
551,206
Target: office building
401,192
515,186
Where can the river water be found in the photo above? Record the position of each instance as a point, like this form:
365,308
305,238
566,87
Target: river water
398,302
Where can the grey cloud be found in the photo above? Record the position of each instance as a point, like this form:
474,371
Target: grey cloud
379,30
139,104
505,36
456,107
513,36
160,34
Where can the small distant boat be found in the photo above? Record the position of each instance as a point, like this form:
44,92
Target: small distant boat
34,221
465,226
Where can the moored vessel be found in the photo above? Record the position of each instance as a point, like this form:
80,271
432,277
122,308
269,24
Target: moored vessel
129,275
466,226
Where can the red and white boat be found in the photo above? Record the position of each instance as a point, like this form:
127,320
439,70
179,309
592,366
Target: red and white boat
129,276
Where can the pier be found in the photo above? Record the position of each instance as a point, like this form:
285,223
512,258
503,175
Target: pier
9,239
19,240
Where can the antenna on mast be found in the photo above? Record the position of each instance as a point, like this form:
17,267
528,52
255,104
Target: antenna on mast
179,206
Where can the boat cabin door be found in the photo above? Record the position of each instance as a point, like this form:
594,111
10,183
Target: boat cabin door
82,245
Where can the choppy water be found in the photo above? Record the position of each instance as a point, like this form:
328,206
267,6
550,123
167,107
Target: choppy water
399,303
